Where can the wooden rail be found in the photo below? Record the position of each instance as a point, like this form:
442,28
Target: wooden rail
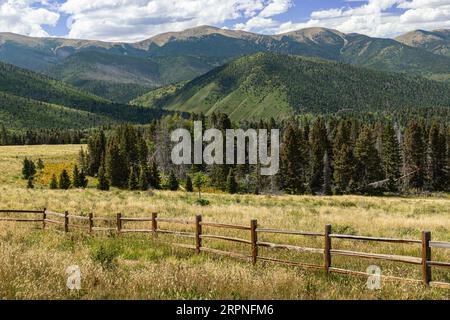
117,224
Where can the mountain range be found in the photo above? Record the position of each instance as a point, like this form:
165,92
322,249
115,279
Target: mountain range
205,69
121,71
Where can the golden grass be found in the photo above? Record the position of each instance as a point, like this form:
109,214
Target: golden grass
34,262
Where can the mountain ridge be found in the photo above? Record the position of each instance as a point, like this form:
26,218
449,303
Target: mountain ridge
199,50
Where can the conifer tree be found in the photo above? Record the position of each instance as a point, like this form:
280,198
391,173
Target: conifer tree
198,183
53,183
293,160
117,170
367,159
28,169
30,184
133,183
232,186
415,155
327,175
64,180
437,157
97,148
344,169
144,177
3,136
189,186
319,145
76,177
82,180
173,182
40,164
155,177
391,157
103,183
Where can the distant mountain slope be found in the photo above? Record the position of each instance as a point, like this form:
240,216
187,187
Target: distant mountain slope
27,84
268,85
437,41
102,67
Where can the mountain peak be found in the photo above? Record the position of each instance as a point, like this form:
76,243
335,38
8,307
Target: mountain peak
196,32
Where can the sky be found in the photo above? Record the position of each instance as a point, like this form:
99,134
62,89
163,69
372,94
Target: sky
135,20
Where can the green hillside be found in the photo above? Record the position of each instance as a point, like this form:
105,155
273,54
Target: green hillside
27,84
269,85
17,112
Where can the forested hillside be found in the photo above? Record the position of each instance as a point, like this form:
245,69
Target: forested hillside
269,85
42,91
17,112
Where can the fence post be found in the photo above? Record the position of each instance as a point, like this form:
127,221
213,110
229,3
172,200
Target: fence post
91,222
44,217
254,240
426,257
154,224
327,249
119,223
198,234
66,221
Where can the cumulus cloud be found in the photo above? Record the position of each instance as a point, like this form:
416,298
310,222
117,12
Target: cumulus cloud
133,20
377,17
22,16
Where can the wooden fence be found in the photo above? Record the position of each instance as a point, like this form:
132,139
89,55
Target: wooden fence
88,223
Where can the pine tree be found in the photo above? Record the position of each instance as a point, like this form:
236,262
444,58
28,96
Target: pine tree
391,157
133,183
173,182
367,159
76,177
54,183
437,157
199,180
189,186
103,183
319,145
344,169
344,165
144,176
415,155
30,184
3,136
40,164
293,168
83,181
232,186
28,169
97,149
117,169
83,161
64,180
327,175
155,177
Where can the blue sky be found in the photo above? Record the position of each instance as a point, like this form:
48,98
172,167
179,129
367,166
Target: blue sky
133,20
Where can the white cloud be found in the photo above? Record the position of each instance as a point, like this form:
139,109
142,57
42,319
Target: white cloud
375,18
132,20
22,16
263,22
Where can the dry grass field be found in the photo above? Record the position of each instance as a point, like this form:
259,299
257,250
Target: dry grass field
34,262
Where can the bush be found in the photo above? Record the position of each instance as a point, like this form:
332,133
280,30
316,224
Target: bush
106,255
202,202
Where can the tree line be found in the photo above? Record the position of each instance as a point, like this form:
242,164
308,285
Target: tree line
40,136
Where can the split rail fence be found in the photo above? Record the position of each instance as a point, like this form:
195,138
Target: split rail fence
88,223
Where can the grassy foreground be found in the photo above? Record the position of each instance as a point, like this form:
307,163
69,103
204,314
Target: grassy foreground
33,263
